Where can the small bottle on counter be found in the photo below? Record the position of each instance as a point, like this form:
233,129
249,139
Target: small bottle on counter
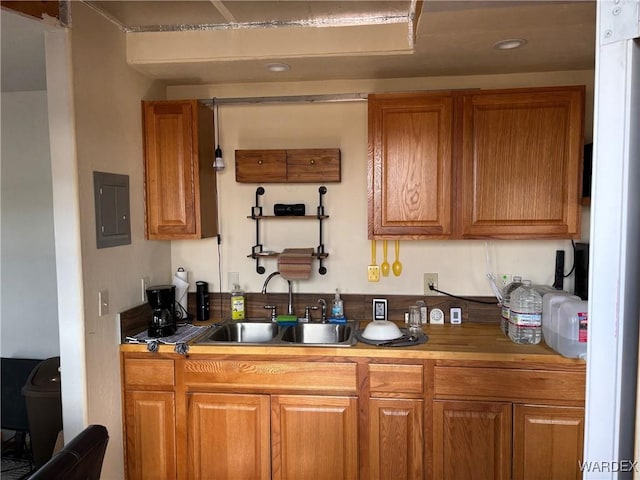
337,311
525,315
237,303
506,299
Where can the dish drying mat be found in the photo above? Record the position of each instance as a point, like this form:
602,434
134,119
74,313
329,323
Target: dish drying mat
422,338
184,334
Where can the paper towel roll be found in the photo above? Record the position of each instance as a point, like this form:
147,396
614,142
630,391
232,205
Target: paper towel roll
181,282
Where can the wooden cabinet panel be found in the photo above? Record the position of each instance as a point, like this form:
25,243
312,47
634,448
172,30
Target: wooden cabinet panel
150,437
471,440
522,163
261,166
180,182
313,165
152,372
395,379
396,444
275,376
509,384
228,436
410,176
305,165
547,442
314,437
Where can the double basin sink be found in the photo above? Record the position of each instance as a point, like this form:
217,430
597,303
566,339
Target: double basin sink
271,333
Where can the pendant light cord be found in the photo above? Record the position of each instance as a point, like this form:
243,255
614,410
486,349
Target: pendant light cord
218,124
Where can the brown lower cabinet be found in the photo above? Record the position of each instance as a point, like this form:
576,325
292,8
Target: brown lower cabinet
256,416
507,421
472,440
150,440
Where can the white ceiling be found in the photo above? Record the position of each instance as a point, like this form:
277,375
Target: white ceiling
450,37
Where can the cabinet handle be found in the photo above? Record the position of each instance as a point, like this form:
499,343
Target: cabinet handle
312,161
259,162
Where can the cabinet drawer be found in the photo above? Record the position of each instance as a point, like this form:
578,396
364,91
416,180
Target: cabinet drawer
260,166
140,372
389,378
510,384
313,165
277,376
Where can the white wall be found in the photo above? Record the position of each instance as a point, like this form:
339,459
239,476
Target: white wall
461,265
29,306
107,95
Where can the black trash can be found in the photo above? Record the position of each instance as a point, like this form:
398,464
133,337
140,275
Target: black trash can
44,408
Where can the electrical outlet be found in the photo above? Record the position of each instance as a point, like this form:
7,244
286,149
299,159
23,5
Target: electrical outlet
430,279
373,272
103,302
144,284
504,279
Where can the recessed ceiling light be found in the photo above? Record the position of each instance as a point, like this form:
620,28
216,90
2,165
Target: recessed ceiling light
278,67
509,44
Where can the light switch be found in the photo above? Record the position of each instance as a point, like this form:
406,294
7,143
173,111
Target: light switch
103,302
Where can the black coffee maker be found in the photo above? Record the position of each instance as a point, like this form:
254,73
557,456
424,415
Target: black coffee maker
162,299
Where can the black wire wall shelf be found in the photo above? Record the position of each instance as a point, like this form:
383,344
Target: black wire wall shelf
258,252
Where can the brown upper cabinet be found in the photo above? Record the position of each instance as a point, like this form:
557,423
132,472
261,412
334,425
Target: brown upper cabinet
180,182
306,165
476,164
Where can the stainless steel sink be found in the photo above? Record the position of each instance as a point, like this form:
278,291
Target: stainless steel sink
320,334
263,332
242,332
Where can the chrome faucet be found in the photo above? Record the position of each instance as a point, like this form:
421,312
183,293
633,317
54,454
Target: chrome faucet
323,312
264,291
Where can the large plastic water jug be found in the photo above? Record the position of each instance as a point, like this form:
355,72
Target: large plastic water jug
573,322
550,304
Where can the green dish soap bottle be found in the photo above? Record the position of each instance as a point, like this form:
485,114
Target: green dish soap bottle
237,303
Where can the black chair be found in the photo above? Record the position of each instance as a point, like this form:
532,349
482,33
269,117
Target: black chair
80,459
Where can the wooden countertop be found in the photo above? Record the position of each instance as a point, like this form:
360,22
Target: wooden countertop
469,341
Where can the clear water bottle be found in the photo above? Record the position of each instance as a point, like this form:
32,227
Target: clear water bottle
525,315
506,298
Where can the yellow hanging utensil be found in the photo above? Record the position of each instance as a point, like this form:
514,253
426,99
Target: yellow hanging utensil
397,266
373,269
384,266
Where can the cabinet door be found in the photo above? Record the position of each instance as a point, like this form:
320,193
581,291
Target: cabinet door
314,437
522,163
228,436
261,166
409,169
547,442
180,186
471,440
309,165
396,446
150,435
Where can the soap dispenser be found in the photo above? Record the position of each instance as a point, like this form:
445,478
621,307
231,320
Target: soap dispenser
237,303
337,311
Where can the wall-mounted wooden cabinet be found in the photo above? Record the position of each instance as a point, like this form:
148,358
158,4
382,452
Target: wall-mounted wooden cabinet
307,165
410,159
180,182
476,164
